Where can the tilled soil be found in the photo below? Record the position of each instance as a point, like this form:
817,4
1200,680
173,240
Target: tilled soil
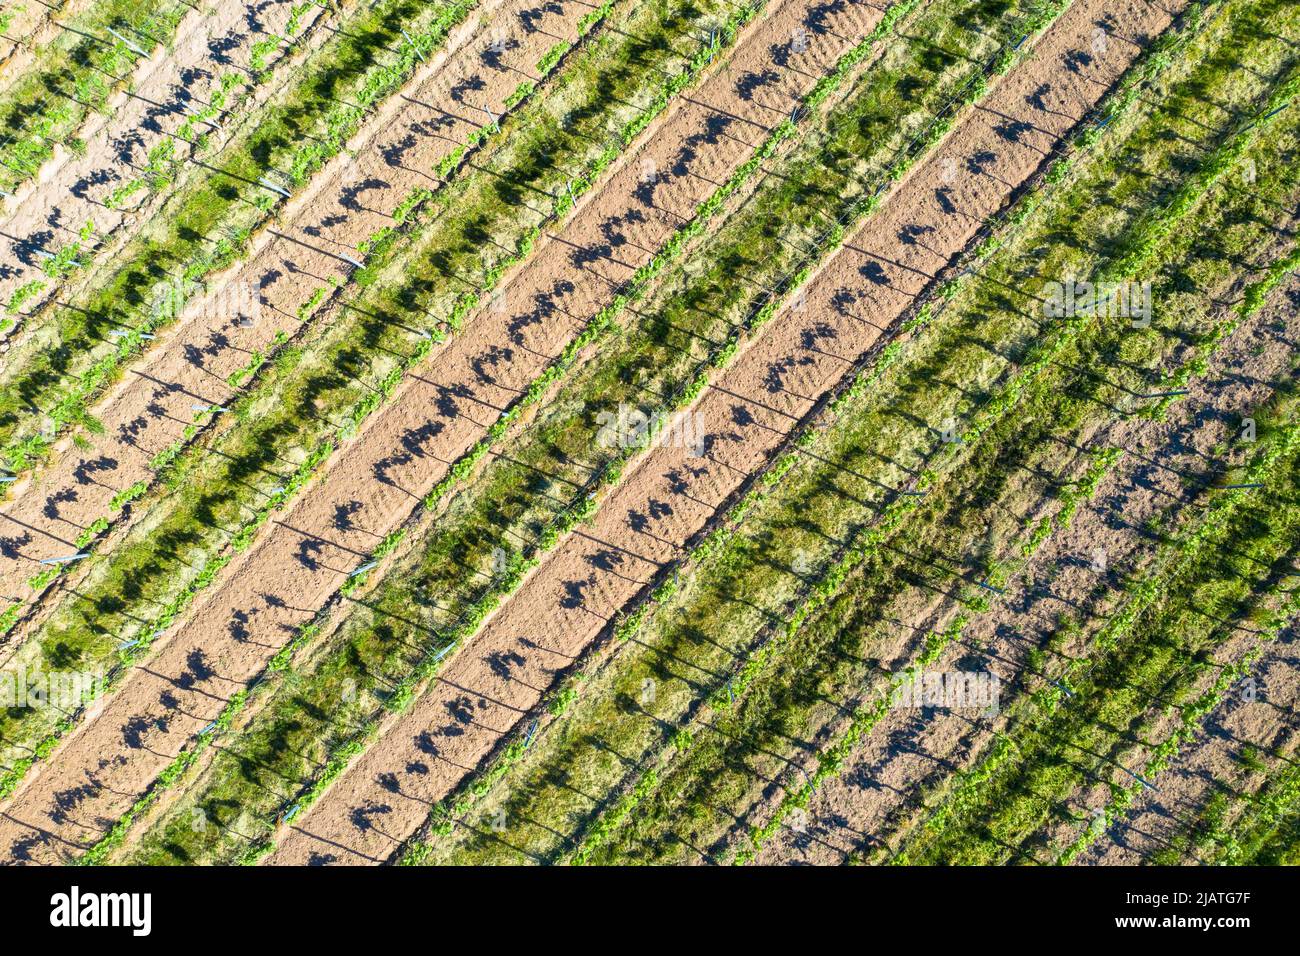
345,204
49,212
435,416
909,749
751,408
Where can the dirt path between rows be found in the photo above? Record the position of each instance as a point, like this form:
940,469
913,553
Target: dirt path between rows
374,483
259,297
911,748
752,407
49,212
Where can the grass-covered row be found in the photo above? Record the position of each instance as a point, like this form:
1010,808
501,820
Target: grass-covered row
67,357
505,517
688,668
219,494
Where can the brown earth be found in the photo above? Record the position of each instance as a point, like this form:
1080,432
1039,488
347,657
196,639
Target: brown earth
875,794
433,418
753,405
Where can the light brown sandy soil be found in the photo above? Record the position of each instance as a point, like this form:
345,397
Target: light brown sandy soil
29,29
280,583
49,212
752,407
347,202
877,790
